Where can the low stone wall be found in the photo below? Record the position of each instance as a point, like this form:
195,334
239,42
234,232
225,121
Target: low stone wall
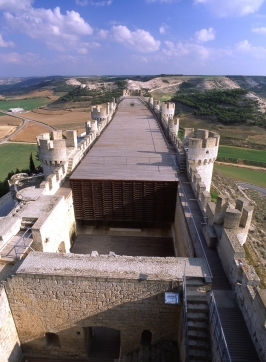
53,229
10,350
67,293
182,241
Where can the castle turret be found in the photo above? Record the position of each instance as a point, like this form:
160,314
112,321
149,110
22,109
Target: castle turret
52,151
168,110
202,152
100,113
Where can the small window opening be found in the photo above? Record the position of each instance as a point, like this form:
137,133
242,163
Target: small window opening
146,337
52,340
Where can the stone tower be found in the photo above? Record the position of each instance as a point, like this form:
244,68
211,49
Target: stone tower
168,110
202,150
52,151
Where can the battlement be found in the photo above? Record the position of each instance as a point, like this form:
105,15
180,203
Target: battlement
132,92
202,138
168,109
103,112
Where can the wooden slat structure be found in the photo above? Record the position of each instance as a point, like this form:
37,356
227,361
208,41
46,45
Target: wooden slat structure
128,174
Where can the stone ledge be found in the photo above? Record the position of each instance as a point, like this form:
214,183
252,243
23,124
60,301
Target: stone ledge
112,266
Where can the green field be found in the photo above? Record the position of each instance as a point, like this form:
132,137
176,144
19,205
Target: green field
242,153
13,156
243,174
27,103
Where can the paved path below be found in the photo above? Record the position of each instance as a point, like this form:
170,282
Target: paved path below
6,207
246,185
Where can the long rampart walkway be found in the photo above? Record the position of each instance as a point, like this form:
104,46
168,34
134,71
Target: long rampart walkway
239,342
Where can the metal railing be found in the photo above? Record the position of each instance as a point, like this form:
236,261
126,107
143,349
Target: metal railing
21,244
218,331
185,318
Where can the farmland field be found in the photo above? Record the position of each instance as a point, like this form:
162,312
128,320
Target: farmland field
25,103
13,156
243,174
10,121
62,121
242,153
5,130
30,132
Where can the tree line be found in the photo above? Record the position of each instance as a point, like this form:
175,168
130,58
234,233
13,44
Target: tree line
228,106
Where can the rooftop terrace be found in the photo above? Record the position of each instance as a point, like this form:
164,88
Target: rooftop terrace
132,147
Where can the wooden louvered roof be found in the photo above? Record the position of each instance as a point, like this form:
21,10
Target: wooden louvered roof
131,148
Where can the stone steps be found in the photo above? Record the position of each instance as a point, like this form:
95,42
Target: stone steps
199,344
27,223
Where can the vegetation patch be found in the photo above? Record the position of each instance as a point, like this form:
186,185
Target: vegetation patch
214,195
25,103
234,154
243,174
227,106
94,96
16,156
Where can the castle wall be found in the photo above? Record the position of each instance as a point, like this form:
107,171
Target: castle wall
65,293
10,350
251,299
53,228
182,241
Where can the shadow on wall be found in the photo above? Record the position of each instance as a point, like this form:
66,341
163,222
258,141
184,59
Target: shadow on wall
16,354
130,318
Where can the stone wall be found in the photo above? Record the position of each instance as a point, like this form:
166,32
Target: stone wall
182,241
67,293
10,350
50,231
251,299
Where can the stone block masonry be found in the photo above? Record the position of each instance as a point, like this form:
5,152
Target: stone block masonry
67,293
10,350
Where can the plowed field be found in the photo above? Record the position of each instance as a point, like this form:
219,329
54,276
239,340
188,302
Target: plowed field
68,120
29,133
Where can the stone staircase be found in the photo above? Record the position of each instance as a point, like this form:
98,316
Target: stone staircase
181,156
198,321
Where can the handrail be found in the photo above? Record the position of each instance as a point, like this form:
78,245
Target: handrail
218,331
185,318
24,238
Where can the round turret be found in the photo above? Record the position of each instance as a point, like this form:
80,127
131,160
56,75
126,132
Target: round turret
202,151
168,109
52,151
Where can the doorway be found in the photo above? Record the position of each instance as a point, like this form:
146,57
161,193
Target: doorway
102,343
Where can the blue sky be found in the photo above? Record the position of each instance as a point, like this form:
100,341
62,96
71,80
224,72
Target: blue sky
92,37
